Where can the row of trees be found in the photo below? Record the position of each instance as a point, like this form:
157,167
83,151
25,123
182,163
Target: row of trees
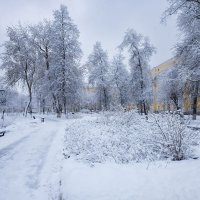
45,58
185,76
183,79
115,82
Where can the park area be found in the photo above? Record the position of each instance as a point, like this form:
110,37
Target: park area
100,156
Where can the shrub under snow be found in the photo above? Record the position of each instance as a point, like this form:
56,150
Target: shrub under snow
171,137
129,137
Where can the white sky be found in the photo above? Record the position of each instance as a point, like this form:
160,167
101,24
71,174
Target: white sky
100,20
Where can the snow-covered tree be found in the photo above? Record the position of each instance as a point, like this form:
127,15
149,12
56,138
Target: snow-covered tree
120,79
140,51
66,57
183,8
46,58
98,74
188,49
170,88
41,38
20,60
188,53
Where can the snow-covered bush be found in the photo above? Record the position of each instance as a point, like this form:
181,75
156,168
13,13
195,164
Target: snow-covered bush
127,137
171,137
107,137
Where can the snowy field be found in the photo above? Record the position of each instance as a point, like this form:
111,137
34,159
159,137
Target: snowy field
104,163
91,157
141,181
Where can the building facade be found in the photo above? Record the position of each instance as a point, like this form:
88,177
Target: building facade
158,105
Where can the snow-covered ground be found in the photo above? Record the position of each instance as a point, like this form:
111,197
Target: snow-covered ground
141,181
101,163
195,124
32,165
30,159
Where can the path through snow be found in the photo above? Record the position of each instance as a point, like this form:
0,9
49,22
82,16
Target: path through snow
30,160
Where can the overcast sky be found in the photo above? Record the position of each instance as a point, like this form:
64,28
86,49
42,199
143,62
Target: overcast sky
100,20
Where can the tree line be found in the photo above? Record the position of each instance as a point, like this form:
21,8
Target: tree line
46,58
184,78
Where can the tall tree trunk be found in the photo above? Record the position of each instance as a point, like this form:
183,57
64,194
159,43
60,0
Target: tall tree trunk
174,98
43,106
145,108
65,105
59,109
58,106
168,106
143,104
140,107
195,100
194,108
100,102
105,99
122,101
29,104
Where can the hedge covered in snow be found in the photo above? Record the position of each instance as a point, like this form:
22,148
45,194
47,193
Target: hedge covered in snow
128,137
